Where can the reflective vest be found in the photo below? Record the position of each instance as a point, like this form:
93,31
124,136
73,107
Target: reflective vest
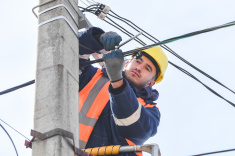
92,100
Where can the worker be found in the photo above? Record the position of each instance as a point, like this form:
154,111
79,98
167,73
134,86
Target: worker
116,103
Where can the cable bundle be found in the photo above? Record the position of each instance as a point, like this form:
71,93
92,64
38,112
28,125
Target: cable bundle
97,9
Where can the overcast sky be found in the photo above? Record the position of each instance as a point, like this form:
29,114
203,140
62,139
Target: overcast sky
193,120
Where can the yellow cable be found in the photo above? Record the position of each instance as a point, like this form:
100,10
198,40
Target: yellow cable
105,150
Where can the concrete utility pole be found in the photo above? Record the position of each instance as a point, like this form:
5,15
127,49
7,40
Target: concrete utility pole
56,99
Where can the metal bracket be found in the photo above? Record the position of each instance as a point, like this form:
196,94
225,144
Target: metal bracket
152,149
52,133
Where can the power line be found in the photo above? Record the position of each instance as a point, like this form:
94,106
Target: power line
126,31
10,139
83,2
17,87
146,47
91,8
168,49
192,76
15,130
215,152
155,40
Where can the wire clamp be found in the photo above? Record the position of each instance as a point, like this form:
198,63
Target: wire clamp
52,133
100,14
104,8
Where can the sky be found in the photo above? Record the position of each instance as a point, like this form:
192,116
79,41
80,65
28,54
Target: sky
193,120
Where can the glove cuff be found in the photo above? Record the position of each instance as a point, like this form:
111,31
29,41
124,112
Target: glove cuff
112,81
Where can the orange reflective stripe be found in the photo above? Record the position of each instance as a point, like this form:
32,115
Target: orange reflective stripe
141,101
139,154
150,106
144,104
99,103
86,90
85,134
131,143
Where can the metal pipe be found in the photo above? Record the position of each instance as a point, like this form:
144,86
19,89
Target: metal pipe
117,47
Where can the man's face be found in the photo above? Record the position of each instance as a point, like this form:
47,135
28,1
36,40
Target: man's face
140,72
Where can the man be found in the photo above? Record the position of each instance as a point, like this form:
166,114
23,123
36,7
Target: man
116,107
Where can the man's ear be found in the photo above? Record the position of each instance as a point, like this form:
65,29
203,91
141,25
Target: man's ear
151,82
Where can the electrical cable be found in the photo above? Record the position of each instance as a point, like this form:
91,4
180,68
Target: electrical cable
94,5
149,46
121,30
168,49
130,52
89,2
215,152
192,76
132,27
117,25
94,2
83,2
146,47
10,139
171,40
86,10
17,87
181,69
15,130
195,33
127,31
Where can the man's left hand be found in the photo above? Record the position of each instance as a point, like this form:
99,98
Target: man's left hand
110,40
114,63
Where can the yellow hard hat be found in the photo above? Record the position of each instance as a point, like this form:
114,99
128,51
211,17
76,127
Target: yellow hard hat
157,55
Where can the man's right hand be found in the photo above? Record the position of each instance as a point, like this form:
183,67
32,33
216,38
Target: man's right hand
110,40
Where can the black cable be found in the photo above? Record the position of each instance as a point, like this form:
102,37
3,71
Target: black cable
15,130
94,5
83,2
130,52
17,87
117,26
192,76
121,30
118,29
171,40
215,152
81,7
87,10
90,10
132,27
126,31
10,139
170,50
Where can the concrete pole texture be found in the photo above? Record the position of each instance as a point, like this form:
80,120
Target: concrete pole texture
57,85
